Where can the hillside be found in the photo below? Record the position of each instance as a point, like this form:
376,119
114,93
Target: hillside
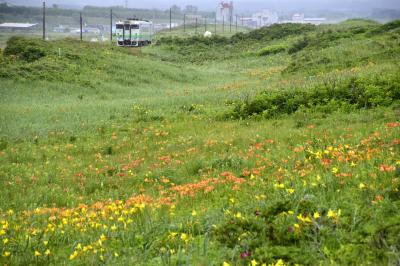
278,146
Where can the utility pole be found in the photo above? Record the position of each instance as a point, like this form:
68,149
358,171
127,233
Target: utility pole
196,27
111,25
184,22
223,24
170,19
80,24
230,23
126,3
44,20
205,24
215,25
236,22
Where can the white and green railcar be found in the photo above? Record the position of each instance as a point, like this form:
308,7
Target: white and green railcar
134,32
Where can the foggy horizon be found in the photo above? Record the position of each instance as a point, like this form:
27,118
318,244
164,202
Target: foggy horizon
240,5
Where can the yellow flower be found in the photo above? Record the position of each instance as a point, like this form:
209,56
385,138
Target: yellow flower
226,264
254,263
116,254
316,215
5,225
45,242
73,255
103,237
6,254
335,170
37,253
194,213
280,262
333,214
2,232
238,215
279,185
362,185
113,227
47,252
184,237
79,246
304,219
5,241
290,190
172,235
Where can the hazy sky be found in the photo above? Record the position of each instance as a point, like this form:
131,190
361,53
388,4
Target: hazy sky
239,4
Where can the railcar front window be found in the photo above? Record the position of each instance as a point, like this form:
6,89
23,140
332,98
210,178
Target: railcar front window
120,27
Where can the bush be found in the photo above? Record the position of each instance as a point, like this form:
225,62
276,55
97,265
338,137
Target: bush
276,31
26,49
354,93
299,45
273,49
392,25
194,40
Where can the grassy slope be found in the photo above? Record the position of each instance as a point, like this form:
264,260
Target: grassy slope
125,123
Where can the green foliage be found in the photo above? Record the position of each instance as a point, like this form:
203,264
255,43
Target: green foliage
298,45
390,26
26,49
273,49
355,93
274,32
194,40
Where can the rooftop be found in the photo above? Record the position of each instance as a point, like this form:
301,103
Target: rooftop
17,25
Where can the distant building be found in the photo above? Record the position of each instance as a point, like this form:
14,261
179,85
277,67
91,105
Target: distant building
61,29
315,21
225,11
248,22
300,18
264,18
18,26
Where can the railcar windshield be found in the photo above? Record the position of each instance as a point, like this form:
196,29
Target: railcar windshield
120,26
127,26
135,26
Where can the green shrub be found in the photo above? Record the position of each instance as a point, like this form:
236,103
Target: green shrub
274,32
392,25
273,49
26,49
298,45
354,93
194,40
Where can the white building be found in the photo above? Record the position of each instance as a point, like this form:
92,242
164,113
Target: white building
17,26
225,11
264,18
297,17
300,18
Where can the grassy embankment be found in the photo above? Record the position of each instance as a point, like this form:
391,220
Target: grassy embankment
274,146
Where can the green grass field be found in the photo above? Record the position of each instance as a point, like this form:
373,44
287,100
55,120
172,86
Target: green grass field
192,30
278,146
